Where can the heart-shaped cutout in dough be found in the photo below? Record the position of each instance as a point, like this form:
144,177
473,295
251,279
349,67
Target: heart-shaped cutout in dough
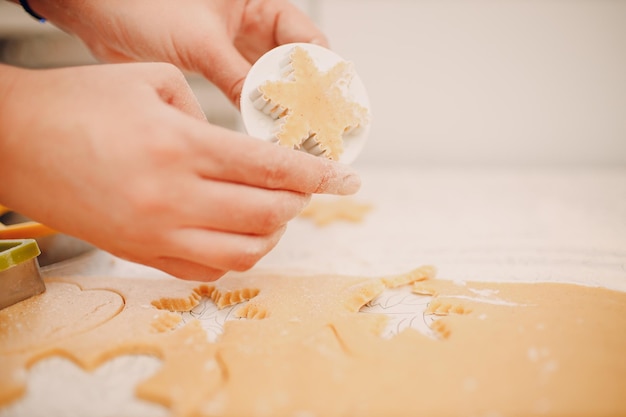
49,317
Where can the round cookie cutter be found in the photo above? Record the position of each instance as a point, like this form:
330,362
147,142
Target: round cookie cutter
268,68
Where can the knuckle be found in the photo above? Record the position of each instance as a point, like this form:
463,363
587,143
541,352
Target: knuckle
270,219
169,70
144,199
275,174
324,179
285,206
257,248
248,258
195,272
163,150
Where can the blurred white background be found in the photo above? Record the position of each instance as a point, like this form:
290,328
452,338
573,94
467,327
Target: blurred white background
451,82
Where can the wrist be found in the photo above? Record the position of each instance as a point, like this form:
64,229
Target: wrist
61,13
28,9
33,8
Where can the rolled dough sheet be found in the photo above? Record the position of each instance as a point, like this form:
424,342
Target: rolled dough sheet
305,346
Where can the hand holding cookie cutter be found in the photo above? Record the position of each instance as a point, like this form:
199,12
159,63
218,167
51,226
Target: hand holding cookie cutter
264,117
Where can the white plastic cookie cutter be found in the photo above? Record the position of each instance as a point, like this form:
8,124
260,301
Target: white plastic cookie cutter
261,117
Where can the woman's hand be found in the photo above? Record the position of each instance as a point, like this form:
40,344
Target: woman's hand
121,156
217,38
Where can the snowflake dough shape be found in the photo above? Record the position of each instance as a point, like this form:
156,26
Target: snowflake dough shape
326,212
315,104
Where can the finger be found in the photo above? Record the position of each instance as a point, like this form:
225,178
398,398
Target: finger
240,158
172,87
226,68
237,208
220,250
187,270
293,25
269,24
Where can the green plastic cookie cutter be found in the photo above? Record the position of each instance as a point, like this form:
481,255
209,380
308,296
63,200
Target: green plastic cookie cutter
16,251
20,277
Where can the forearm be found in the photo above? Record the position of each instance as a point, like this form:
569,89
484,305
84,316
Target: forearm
13,106
9,76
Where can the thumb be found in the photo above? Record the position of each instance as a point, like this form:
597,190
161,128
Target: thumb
293,25
227,69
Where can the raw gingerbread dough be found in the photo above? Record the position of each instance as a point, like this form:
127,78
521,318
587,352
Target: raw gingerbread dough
314,104
326,211
306,350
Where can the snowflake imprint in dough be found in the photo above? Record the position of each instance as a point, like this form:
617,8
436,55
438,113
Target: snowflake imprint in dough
404,309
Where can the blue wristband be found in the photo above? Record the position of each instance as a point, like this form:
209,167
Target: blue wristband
31,12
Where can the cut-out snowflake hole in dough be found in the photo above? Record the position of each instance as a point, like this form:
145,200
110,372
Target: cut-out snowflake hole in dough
212,318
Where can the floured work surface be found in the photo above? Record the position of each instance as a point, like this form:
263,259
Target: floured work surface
307,347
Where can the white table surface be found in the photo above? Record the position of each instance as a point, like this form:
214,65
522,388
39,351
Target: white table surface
472,224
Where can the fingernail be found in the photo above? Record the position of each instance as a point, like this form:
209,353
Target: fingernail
350,183
321,41
338,179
